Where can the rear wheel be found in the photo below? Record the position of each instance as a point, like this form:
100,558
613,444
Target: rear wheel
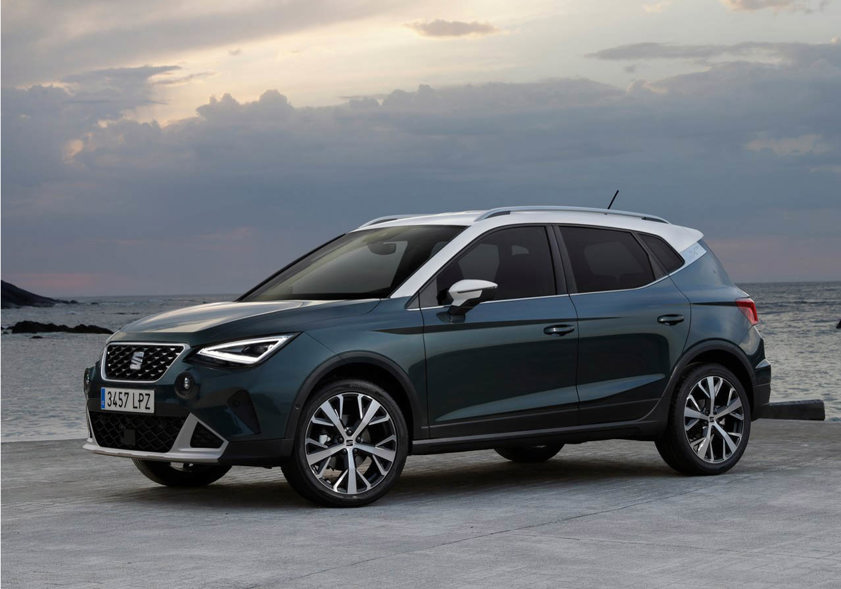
350,446
529,453
709,423
177,474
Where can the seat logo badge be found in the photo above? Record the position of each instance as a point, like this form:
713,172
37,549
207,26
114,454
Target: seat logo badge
136,360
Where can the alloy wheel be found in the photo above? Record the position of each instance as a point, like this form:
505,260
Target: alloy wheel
351,443
714,419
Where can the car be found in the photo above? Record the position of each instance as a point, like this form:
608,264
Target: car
518,329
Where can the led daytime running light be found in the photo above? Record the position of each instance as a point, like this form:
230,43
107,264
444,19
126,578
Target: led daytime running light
236,352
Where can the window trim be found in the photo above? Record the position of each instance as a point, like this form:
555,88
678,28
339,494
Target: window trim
656,270
554,253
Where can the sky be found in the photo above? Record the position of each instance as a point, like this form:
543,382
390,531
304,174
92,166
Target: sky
195,146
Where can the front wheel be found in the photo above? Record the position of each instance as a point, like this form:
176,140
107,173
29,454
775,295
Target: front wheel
709,423
176,474
529,454
350,445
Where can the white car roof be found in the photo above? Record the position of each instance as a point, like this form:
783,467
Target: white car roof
682,239
677,236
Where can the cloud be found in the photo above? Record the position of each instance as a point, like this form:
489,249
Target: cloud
811,143
777,5
117,90
787,52
97,34
273,180
656,7
452,28
182,79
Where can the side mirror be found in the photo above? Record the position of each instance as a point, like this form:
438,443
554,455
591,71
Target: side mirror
466,294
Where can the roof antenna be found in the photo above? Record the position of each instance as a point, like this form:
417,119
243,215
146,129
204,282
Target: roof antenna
612,199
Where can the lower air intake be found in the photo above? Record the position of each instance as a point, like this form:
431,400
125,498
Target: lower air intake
146,433
204,438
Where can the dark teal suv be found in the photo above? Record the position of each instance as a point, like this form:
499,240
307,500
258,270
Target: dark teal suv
518,329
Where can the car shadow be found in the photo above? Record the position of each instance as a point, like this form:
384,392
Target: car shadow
418,482
491,476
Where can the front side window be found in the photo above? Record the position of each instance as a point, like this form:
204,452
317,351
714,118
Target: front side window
359,265
606,259
517,259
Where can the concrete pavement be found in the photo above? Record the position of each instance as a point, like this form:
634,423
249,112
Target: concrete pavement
603,514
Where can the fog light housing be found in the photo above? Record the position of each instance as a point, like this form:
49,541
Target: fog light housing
186,386
87,379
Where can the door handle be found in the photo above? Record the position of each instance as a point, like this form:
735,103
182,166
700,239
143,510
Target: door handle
559,329
670,319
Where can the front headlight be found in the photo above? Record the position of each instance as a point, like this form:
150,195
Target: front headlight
248,351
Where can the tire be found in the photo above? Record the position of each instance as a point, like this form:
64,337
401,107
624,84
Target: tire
348,421
175,474
529,454
704,437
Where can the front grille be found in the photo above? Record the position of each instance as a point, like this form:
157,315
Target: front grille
139,362
204,438
147,433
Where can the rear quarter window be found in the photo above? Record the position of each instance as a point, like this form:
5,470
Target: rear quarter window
669,259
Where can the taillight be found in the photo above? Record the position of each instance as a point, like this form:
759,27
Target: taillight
748,309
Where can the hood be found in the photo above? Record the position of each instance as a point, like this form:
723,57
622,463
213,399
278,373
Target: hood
204,318
201,317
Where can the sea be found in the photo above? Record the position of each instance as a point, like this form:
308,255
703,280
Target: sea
41,376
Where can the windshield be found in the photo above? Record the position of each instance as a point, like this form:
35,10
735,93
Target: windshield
359,265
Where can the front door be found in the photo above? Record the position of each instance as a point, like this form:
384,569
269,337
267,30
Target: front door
508,364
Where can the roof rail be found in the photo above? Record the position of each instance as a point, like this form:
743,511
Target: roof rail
379,220
508,210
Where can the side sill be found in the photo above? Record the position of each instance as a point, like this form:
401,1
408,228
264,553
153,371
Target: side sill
637,430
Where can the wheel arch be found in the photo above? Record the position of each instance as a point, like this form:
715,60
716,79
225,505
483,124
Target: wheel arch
721,352
365,366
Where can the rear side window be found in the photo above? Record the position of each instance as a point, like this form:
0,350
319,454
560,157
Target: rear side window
669,259
606,259
517,259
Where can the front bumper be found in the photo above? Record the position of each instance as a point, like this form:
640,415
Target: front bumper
181,450
244,413
128,435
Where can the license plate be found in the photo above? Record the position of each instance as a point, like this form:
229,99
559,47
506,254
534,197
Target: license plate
131,400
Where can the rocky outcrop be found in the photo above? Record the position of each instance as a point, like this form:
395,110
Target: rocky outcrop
37,327
14,297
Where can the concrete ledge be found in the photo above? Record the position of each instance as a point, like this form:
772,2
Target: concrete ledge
602,514
810,410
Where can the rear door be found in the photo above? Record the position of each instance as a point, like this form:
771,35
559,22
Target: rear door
633,323
509,363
